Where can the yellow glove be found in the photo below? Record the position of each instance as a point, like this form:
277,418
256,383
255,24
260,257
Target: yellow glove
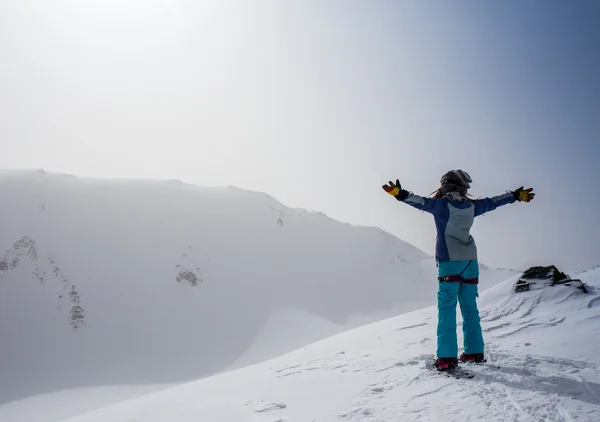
393,189
524,195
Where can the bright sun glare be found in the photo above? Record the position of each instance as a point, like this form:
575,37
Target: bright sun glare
123,24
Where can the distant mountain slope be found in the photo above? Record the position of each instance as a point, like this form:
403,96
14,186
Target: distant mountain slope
148,282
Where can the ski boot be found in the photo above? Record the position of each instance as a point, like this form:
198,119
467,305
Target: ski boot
472,358
446,364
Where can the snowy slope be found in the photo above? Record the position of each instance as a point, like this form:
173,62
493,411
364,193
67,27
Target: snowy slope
543,365
145,283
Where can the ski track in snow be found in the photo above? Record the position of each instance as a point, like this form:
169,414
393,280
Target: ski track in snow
514,387
533,393
521,389
266,407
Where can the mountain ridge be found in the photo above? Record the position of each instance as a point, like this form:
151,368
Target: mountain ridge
167,282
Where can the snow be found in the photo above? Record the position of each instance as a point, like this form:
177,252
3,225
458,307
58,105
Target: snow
156,301
542,366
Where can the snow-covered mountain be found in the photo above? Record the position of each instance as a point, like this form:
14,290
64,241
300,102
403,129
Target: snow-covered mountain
119,283
543,365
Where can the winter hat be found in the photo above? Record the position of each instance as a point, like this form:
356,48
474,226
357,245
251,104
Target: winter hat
455,181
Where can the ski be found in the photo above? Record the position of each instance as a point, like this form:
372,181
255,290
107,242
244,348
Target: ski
458,373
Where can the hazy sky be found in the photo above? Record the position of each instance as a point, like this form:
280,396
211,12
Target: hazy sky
320,102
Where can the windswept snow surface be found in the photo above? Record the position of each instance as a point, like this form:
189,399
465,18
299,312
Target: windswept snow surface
122,287
543,365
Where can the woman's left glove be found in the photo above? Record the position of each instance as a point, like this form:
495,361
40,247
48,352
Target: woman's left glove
393,189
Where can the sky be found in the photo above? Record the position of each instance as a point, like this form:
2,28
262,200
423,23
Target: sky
319,103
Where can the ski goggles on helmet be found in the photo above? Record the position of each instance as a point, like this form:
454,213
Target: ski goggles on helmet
456,177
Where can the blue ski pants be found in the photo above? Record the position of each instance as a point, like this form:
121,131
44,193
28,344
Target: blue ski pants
466,294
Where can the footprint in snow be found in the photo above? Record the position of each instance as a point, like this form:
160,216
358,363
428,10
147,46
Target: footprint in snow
266,407
358,414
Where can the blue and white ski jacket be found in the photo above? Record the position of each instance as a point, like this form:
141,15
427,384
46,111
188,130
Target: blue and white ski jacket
454,216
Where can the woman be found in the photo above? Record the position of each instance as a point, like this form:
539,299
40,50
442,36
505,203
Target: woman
456,257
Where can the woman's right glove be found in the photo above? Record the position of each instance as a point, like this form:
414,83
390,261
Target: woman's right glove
524,195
